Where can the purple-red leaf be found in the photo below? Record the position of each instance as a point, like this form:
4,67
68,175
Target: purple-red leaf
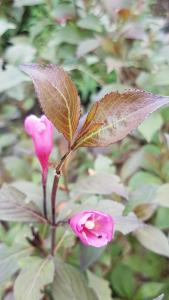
116,115
57,95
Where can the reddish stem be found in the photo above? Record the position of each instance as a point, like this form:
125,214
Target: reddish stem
53,200
44,200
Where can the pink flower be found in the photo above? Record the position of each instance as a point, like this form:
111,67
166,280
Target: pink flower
41,131
94,228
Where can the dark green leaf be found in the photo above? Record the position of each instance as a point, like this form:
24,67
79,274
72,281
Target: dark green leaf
9,260
32,280
153,239
100,286
89,255
14,208
149,290
102,183
70,284
123,282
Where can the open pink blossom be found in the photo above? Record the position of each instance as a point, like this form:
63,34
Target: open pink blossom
41,131
94,228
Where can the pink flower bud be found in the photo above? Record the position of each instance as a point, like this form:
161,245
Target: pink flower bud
94,228
41,131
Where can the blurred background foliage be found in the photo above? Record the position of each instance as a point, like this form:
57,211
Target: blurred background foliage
106,45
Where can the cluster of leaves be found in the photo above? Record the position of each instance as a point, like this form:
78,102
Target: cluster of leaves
108,45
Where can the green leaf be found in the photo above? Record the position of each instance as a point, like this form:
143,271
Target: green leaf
161,77
102,183
14,208
143,178
162,195
19,3
151,161
150,126
70,35
153,239
89,255
90,22
5,25
123,282
145,263
100,286
33,193
33,279
69,283
162,218
20,52
63,12
104,164
87,46
9,260
10,77
149,290
17,167
7,140
132,164
137,197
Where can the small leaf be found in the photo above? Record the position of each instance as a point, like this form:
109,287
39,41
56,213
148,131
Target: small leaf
32,280
148,290
102,183
137,197
89,255
167,139
123,282
132,164
150,126
9,257
19,3
100,286
142,178
104,164
11,77
127,224
86,46
162,195
5,25
153,239
33,193
161,220
115,116
14,208
57,95
63,12
69,284
145,211
90,22
6,140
